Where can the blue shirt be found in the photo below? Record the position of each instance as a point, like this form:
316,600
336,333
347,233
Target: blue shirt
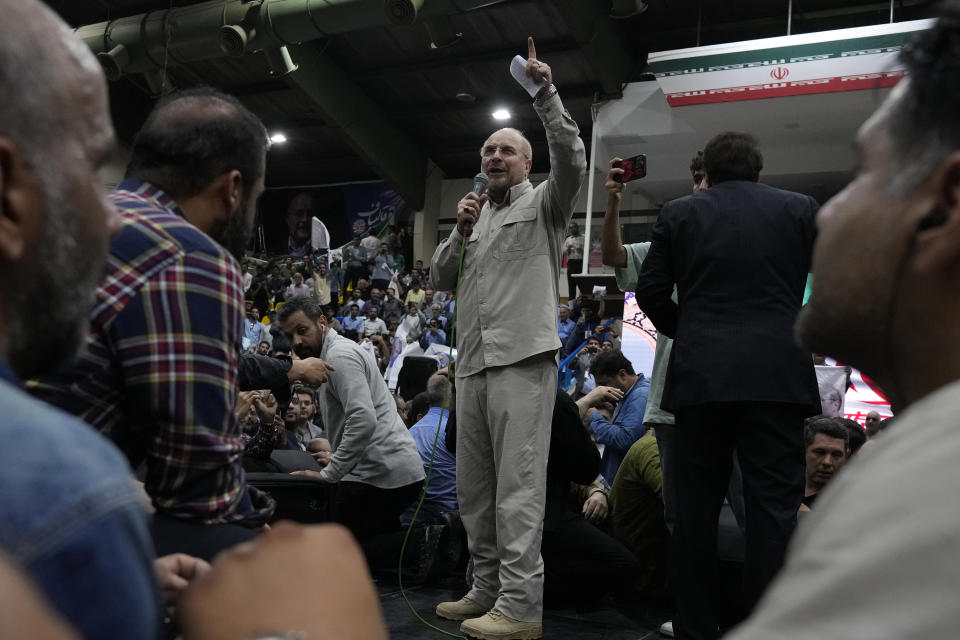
440,337
564,328
382,264
71,518
251,333
619,434
352,324
442,490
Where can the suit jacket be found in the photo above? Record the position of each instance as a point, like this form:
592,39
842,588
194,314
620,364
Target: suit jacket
739,254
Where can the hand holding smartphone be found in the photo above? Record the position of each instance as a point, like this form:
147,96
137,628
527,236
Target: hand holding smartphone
633,168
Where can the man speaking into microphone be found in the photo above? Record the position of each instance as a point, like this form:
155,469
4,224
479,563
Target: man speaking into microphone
506,366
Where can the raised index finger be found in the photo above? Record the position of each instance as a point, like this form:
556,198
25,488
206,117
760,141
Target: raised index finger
531,50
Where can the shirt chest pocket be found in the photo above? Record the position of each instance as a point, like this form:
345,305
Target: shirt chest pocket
518,236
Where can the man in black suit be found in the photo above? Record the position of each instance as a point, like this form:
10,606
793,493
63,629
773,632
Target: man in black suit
739,253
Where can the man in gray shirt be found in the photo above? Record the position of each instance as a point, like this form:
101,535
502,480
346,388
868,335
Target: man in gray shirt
375,462
506,370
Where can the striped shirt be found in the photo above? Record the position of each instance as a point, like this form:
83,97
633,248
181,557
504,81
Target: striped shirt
158,374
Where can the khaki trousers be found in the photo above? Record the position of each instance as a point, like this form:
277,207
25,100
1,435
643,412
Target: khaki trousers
503,438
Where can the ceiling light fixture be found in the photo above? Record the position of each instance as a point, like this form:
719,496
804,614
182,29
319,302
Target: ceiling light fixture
501,114
278,138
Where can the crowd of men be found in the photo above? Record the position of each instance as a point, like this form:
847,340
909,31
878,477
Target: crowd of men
184,373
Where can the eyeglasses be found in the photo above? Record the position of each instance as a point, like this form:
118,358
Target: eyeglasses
505,150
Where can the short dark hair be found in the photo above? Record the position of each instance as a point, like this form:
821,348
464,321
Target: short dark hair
421,403
858,437
696,163
193,136
829,427
281,344
609,363
306,304
732,155
924,124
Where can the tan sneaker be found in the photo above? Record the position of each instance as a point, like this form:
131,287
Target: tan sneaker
462,609
496,626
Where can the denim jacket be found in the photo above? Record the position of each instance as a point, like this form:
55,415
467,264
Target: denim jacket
72,518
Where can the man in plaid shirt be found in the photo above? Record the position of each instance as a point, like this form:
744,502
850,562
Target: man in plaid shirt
158,375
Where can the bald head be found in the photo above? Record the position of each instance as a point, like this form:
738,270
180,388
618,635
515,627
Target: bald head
43,79
194,136
55,134
506,158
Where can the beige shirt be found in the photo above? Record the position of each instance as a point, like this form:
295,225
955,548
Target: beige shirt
507,301
370,442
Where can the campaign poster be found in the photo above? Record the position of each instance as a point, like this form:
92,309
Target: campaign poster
286,219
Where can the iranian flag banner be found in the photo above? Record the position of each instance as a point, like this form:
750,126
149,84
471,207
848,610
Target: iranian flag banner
823,62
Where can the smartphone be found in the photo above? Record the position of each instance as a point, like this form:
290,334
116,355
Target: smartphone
633,168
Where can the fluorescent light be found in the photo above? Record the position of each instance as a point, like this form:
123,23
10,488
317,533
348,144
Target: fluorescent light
278,138
501,114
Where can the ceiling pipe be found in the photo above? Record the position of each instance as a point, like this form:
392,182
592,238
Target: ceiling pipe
218,28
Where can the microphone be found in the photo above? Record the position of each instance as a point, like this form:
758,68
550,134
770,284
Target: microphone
480,183
479,187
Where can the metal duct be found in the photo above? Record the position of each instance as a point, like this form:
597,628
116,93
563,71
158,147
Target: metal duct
216,28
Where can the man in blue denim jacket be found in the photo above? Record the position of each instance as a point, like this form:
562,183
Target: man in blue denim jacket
70,515
618,432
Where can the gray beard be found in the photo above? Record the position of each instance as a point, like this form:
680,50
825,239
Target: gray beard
51,313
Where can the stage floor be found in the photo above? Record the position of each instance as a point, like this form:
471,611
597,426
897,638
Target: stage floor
600,621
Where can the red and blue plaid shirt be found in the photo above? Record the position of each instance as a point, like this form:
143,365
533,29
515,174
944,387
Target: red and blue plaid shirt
158,374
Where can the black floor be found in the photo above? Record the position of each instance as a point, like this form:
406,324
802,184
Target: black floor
604,620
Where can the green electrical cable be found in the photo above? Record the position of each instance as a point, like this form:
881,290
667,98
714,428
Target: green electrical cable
433,453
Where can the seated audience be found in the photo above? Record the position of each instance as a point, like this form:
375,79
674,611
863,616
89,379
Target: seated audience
298,288
434,334
827,441
429,433
412,323
637,514
352,324
373,325
858,436
581,364
580,562
625,426
415,294
564,324
872,424
331,319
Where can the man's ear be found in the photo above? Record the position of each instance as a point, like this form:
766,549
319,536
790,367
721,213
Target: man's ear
20,203
938,232
229,189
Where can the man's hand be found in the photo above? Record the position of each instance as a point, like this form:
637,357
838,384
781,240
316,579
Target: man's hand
315,579
266,406
175,572
321,450
309,474
468,212
537,70
604,394
614,188
595,507
244,402
310,371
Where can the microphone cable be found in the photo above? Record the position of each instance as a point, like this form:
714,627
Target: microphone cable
433,453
